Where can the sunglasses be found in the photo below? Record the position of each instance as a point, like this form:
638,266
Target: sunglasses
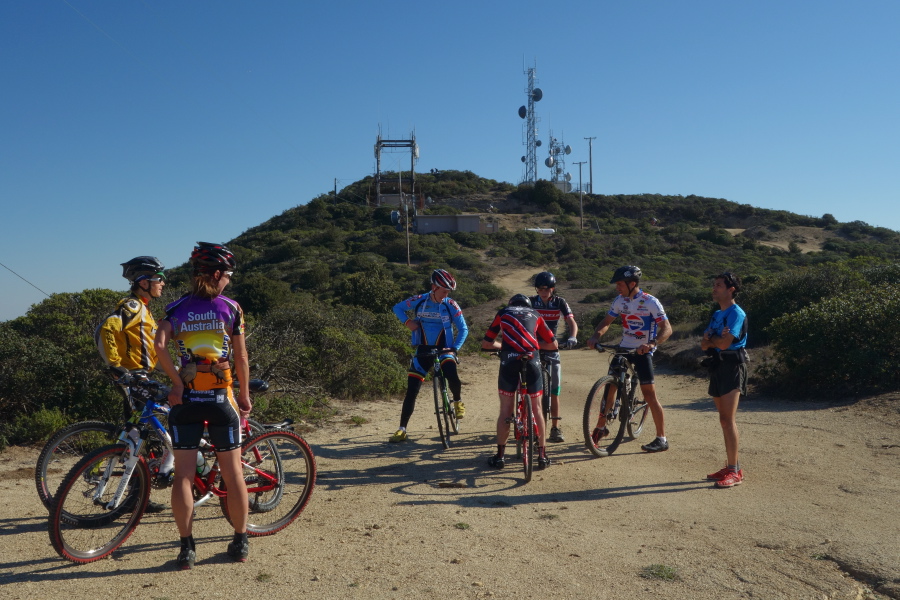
156,279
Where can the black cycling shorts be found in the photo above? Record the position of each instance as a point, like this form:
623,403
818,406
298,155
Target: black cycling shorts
214,410
643,365
508,378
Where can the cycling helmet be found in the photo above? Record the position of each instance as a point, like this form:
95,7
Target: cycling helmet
520,300
627,273
209,258
545,279
443,279
142,267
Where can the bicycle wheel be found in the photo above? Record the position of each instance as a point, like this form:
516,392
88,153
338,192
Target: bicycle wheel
65,448
280,472
443,430
81,528
638,409
450,418
594,406
529,440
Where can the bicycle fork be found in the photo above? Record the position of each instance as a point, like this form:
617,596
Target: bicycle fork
133,456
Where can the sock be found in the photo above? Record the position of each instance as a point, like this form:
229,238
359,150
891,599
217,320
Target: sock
661,438
188,542
501,450
734,468
240,538
542,451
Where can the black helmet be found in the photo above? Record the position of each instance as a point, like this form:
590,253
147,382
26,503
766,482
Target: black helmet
443,279
627,273
545,279
142,267
209,258
520,300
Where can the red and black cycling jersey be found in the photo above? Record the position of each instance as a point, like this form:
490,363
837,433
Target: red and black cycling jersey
523,328
552,311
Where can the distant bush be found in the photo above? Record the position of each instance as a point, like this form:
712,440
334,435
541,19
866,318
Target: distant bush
841,345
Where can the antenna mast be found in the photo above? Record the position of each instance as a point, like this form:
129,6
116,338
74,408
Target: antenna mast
529,134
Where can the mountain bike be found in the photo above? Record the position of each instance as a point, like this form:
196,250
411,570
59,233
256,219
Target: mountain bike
443,406
523,421
623,388
102,499
73,442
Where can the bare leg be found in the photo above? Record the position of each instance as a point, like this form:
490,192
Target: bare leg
506,411
232,473
182,497
727,406
656,409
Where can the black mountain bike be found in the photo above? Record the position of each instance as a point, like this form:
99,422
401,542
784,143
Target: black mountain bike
623,387
443,406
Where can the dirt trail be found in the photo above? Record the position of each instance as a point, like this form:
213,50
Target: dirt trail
818,516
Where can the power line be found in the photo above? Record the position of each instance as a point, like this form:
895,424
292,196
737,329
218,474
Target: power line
25,280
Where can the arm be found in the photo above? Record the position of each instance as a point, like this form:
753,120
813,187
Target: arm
242,369
106,340
601,329
462,329
164,361
491,341
572,327
663,332
400,312
547,340
721,342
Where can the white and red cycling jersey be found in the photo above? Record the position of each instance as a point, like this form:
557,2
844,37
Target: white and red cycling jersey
639,317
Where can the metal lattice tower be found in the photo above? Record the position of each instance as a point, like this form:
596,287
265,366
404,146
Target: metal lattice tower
557,160
530,132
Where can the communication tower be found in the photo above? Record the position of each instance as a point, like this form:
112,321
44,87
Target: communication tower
556,161
381,144
530,131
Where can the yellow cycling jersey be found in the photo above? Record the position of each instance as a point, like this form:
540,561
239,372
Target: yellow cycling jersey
125,337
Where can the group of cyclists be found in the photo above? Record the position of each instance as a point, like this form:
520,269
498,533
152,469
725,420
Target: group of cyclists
528,325
207,331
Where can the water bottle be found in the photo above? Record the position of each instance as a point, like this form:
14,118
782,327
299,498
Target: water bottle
167,463
202,467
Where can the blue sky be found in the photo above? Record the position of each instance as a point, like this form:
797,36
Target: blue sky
140,127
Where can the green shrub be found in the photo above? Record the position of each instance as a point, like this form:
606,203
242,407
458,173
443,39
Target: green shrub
843,344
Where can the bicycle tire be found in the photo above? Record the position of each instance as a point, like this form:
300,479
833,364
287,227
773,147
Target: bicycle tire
529,441
450,418
443,431
637,409
594,406
64,449
286,458
81,529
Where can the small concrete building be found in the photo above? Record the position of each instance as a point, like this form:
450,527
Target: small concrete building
452,223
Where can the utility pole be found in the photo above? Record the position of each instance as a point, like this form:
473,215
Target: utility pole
591,161
580,194
335,190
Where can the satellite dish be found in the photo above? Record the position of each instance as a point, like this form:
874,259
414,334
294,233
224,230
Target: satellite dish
537,94
568,149
568,177
395,217
523,159
523,111
549,162
537,142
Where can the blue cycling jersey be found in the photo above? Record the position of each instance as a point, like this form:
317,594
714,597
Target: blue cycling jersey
436,321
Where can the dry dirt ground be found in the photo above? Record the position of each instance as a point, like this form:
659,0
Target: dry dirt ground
818,516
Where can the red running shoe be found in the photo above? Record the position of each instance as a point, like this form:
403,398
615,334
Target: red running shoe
731,479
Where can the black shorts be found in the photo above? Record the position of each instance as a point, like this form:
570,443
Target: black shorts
643,366
508,378
727,377
214,410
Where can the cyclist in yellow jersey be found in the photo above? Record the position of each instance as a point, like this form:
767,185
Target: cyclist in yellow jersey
125,337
